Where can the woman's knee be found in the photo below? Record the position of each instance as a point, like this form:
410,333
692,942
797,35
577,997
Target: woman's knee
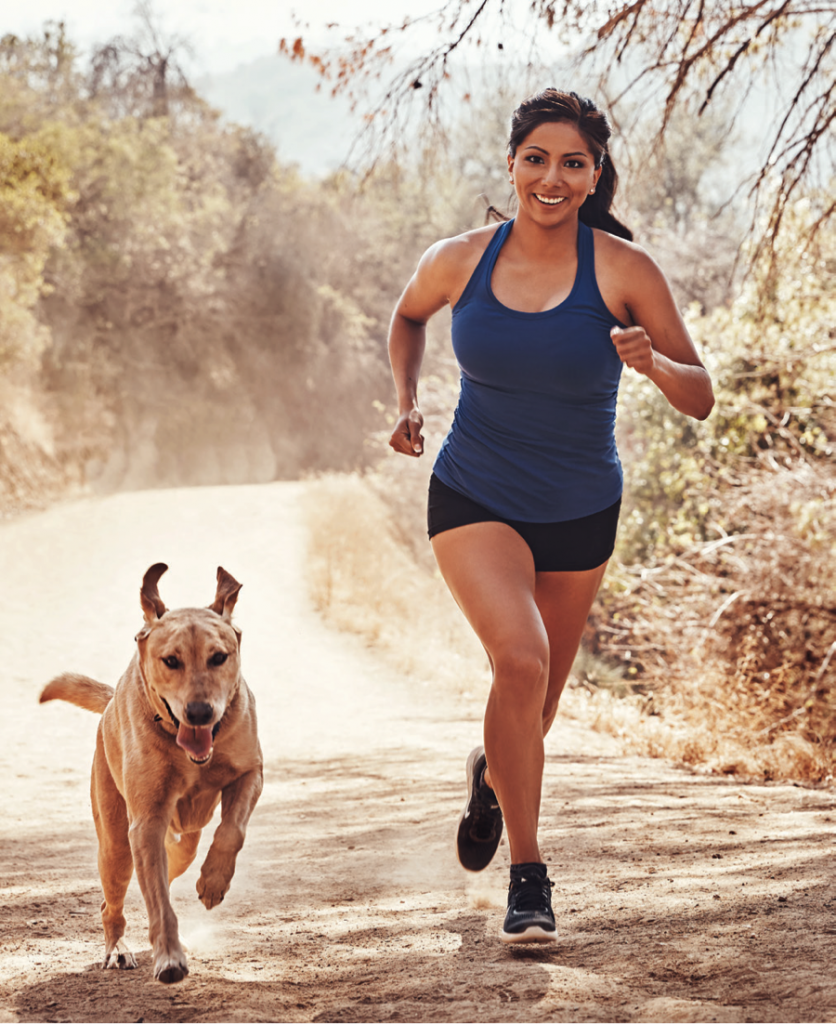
521,667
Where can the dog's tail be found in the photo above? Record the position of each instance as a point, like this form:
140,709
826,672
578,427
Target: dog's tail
80,690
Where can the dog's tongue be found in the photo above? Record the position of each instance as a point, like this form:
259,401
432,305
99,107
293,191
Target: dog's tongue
197,742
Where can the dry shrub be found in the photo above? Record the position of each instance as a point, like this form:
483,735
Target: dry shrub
364,579
731,645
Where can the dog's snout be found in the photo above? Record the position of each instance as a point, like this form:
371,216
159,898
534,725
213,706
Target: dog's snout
198,712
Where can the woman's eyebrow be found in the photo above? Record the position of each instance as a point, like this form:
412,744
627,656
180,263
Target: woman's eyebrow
578,152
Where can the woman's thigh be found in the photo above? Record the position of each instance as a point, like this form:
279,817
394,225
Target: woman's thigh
489,569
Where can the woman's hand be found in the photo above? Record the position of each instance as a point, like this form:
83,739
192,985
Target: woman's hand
407,437
634,349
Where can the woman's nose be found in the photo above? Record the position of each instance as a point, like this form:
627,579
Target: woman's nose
553,174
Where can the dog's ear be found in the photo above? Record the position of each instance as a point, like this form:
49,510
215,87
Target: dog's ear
149,597
226,595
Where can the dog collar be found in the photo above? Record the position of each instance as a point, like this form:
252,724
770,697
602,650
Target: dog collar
175,721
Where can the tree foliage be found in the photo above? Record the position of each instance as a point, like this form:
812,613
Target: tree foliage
774,368
169,281
34,194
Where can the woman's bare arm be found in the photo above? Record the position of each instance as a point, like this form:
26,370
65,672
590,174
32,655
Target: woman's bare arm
659,345
438,277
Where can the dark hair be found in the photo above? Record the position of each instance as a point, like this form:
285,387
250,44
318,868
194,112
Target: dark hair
594,125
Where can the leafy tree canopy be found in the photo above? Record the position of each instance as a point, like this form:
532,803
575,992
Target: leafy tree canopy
34,192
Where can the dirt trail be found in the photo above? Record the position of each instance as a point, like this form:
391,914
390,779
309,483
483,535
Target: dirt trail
679,897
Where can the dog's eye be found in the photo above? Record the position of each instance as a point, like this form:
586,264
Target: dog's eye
218,658
171,661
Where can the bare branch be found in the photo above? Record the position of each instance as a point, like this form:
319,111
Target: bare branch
668,50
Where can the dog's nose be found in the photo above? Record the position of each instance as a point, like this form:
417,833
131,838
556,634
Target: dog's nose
198,712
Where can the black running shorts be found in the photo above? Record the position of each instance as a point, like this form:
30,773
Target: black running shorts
574,545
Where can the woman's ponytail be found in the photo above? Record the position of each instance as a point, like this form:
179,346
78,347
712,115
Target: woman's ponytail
595,212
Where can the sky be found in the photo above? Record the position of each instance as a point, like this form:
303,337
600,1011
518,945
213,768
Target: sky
224,33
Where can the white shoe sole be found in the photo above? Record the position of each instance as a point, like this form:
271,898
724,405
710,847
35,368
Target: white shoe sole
532,934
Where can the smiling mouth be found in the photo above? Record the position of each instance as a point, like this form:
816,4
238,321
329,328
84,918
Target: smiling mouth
550,200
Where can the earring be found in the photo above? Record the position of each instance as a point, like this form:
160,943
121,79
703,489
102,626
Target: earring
592,191
511,180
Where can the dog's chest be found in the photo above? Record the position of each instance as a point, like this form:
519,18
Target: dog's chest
194,810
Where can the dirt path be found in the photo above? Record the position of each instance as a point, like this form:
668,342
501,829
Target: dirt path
679,897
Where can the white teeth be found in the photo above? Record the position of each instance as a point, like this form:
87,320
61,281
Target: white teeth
550,201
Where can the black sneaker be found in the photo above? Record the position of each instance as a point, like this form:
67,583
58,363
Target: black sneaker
530,917
481,823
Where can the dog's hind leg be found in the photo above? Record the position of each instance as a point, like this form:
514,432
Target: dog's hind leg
115,861
181,850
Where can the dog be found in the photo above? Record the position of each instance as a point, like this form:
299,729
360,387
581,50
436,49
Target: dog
177,737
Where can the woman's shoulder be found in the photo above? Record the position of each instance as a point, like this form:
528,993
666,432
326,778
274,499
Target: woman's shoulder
461,251
628,277
621,255
447,266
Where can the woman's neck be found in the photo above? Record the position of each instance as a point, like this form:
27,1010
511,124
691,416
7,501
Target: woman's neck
539,241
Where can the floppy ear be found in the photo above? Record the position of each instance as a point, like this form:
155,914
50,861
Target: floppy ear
149,597
226,595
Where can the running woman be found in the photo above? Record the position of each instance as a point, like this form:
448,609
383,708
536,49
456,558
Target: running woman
526,489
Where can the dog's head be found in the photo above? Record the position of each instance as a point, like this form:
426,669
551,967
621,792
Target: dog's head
190,661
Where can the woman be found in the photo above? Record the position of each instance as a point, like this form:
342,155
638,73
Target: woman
526,488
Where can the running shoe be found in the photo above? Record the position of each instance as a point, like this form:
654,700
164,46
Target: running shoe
480,826
530,917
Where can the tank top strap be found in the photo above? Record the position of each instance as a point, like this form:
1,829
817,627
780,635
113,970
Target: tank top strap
480,278
586,292
497,242
586,256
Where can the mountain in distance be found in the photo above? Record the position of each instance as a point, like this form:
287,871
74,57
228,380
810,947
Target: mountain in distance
279,99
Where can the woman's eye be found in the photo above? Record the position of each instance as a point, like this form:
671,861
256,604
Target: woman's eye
218,658
171,661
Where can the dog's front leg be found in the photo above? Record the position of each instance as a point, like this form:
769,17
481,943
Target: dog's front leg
147,834
237,803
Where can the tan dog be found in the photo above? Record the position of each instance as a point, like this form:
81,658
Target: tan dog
177,736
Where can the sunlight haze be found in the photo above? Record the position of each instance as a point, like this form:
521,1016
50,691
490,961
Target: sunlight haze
223,34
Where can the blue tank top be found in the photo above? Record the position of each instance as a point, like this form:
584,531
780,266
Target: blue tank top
533,436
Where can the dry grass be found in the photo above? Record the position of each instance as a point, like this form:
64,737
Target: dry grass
721,658
366,580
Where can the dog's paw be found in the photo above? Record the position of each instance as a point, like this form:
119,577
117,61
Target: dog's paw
212,886
120,958
171,968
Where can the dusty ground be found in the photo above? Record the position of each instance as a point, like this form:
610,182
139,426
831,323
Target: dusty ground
679,897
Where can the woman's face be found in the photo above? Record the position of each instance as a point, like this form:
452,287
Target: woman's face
553,171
